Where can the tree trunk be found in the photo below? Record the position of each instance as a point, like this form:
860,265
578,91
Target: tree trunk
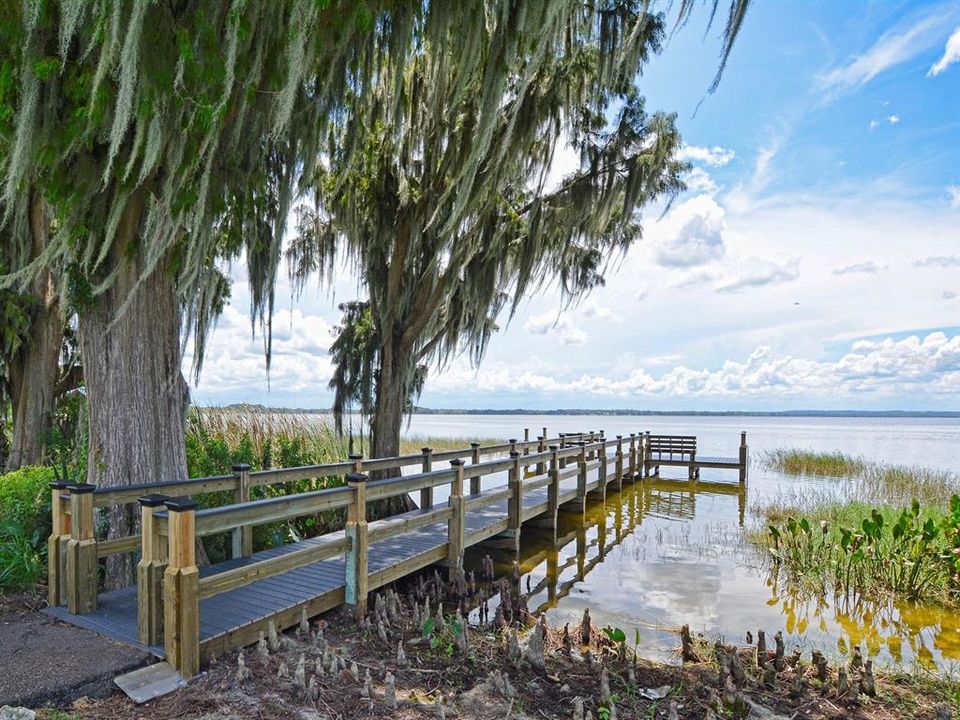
130,344
386,424
33,371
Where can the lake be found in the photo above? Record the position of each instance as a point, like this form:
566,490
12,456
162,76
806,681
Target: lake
665,553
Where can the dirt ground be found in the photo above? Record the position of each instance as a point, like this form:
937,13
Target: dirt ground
336,669
46,662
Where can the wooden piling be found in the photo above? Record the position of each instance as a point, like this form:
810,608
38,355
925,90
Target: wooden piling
553,491
181,599
582,478
242,536
515,503
426,494
82,576
619,462
633,457
456,525
541,466
475,459
743,457
150,570
645,445
563,444
57,545
357,576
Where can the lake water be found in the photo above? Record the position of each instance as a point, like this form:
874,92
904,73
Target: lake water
664,553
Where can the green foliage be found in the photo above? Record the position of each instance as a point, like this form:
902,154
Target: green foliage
911,553
24,526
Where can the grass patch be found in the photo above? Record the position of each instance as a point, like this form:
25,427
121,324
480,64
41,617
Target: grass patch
413,444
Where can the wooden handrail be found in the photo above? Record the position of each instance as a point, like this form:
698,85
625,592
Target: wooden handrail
407,483
399,524
110,496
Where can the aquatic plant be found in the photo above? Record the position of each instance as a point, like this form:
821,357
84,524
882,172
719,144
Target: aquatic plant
913,553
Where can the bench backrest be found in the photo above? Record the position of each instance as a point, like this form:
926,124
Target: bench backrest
673,444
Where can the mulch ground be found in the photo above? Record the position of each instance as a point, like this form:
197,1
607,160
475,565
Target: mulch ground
47,662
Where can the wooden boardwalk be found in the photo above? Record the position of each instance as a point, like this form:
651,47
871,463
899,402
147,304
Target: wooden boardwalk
184,614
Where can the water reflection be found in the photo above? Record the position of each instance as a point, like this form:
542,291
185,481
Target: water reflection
666,552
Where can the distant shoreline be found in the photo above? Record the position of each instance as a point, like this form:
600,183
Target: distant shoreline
628,412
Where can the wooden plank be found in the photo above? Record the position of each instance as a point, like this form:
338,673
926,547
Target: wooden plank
258,512
117,546
108,497
399,524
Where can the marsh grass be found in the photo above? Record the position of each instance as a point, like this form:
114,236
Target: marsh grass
414,443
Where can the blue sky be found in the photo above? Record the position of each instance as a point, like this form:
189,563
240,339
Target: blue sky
814,261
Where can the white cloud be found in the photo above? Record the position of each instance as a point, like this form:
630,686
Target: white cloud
893,119
594,310
881,368
755,271
874,124
951,55
692,234
869,267
698,181
558,325
954,192
716,156
643,293
891,49
947,295
942,261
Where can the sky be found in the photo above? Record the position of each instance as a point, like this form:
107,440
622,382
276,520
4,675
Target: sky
813,262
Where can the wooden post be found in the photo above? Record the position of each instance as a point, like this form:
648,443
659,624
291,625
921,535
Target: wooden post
57,546
515,503
553,492
582,477
563,444
242,536
743,457
591,455
475,459
692,470
357,461
181,580
357,577
545,436
633,457
645,447
81,552
456,525
150,570
541,466
526,449
426,494
619,462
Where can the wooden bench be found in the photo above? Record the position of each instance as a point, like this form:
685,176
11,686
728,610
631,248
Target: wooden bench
671,451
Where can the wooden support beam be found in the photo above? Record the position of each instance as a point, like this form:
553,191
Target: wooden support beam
563,444
515,503
475,459
426,494
243,535
619,463
541,446
81,552
591,436
633,457
357,576
181,600
743,457
553,492
645,448
150,570
692,469
57,545
582,478
456,525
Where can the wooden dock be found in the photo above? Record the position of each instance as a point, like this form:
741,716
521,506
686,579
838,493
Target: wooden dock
187,614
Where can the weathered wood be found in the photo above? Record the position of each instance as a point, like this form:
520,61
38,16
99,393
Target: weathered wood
581,478
214,520
307,472
81,552
59,536
357,576
181,600
246,574
404,484
456,525
743,457
618,463
633,456
475,459
150,569
242,540
515,502
405,522
553,491
426,494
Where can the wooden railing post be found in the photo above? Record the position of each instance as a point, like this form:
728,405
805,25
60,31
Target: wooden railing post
692,469
590,436
150,570
582,477
357,577
81,552
475,459
456,525
619,462
57,546
541,466
645,452
426,494
357,461
515,503
526,449
743,457
181,579
242,536
633,456
563,444
553,491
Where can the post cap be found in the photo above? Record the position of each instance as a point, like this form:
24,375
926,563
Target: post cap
240,467
540,437
457,462
581,443
554,447
81,488
356,478
474,444
180,504
153,500
426,450
512,441
514,453
59,484
355,456
633,434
